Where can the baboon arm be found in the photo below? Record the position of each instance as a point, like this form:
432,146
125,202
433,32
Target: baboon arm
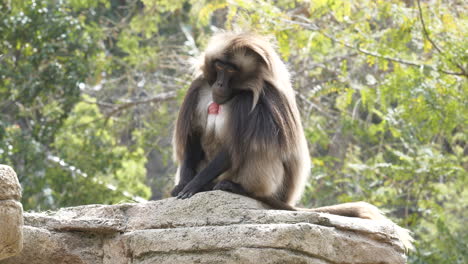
188,169
220,164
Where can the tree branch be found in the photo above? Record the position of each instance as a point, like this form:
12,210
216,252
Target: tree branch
158,98
426,34
313,27
102,104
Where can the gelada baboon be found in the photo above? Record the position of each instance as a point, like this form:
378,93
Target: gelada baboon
239,129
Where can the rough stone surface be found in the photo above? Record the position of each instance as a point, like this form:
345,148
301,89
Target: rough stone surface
11,213
211,227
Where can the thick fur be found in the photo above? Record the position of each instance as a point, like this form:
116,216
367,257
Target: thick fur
260,128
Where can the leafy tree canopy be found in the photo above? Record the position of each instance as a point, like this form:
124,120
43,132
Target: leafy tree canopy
89,91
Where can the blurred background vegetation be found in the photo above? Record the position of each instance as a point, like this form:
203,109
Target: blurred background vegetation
89,90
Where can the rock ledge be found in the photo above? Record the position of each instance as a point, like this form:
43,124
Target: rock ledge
211,227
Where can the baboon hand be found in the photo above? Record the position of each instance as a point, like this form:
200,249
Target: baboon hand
179,187
188,191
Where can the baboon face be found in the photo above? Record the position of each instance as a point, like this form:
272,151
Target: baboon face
233,71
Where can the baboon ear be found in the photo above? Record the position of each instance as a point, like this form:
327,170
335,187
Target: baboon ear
261,53
254,46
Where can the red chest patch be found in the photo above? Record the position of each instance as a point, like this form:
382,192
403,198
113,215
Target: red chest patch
213,108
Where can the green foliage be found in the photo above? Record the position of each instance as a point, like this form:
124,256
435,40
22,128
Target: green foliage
86,141
43,59
46,51
382,86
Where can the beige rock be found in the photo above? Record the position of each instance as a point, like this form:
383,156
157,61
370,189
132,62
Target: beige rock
211,227
9,184
11,213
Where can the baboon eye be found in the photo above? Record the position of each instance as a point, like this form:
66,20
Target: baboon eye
231,70
218,65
